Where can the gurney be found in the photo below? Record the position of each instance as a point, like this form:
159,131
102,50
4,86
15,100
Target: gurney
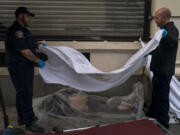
139,127
63,107
71,112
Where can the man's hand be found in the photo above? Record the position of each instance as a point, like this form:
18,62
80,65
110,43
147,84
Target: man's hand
146,55
41,63
40,43
164,33
43,44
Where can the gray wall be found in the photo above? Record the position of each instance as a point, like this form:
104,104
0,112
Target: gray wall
40,88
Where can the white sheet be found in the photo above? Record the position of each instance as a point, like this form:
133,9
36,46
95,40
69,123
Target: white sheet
68,66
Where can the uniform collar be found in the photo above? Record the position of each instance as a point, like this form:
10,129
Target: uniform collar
167,24
18,24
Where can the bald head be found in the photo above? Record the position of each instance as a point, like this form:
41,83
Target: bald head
165,12
162,16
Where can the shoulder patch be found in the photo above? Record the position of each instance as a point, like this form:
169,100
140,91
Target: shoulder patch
19,34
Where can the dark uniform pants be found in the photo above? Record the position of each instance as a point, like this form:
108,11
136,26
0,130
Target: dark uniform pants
22,78
159,108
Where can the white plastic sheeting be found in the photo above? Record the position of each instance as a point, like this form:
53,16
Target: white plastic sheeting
68,66
69,108
175,96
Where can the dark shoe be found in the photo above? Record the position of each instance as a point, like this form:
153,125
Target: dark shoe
18,131
34,128
36,118
149,114
21,121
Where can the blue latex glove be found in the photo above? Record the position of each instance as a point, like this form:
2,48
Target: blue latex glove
164,33
41,63
43,44
146,55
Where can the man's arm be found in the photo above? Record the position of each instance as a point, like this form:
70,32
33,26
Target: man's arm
27,53
172,37
38,43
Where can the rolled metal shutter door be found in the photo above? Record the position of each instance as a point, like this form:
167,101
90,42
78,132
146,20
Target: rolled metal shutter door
91,20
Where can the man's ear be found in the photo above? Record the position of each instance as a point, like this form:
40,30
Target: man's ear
165,19
20,16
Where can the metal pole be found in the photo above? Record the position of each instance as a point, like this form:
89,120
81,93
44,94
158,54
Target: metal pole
147,19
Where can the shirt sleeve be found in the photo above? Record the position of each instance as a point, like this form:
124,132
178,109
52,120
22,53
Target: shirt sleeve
20,41
172,37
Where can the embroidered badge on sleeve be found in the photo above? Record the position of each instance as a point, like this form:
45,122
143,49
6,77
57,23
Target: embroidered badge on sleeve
19,34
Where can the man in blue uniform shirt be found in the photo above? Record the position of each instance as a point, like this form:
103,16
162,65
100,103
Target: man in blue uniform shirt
20,49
